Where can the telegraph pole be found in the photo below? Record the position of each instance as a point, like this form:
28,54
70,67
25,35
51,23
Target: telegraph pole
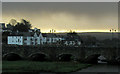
114,55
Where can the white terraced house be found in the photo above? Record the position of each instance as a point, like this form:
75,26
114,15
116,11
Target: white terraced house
35,38
18,40
32,40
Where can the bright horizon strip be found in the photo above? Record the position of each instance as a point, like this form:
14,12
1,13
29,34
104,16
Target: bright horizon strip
63,31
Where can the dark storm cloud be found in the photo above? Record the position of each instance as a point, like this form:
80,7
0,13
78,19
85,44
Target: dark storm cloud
87,15
93,8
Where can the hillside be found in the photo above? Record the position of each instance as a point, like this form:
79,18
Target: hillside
98,35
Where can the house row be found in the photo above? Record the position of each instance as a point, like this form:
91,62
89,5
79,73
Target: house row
37,38
33,40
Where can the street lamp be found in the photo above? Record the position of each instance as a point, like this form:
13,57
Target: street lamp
52,31
112,30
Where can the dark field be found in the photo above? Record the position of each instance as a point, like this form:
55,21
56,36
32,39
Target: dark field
32,66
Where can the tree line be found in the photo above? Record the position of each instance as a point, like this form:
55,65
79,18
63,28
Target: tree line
22,26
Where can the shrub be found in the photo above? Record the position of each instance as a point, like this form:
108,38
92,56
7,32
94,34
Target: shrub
113,62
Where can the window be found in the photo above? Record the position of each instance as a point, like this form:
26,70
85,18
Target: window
43,42
55,40
35,39
25,38
18,40
51,39
32,43
47,39
40,39
59,39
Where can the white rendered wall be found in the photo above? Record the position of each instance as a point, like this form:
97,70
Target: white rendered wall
28,41
18,40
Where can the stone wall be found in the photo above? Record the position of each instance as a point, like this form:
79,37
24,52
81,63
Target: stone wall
54,51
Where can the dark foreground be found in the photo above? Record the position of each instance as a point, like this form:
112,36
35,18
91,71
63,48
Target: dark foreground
31,66
102,68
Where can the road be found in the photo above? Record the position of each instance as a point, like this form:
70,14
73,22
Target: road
102,68
96,69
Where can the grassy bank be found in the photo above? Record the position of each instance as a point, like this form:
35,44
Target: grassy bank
30,66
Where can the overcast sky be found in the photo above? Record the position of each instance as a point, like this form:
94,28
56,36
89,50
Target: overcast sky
77,16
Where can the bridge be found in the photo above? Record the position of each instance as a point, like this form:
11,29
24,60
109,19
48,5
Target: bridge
53,52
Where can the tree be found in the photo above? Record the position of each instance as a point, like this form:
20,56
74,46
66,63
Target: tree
73,36
90,40
27,23
10,27
4,37
13,22
23,26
